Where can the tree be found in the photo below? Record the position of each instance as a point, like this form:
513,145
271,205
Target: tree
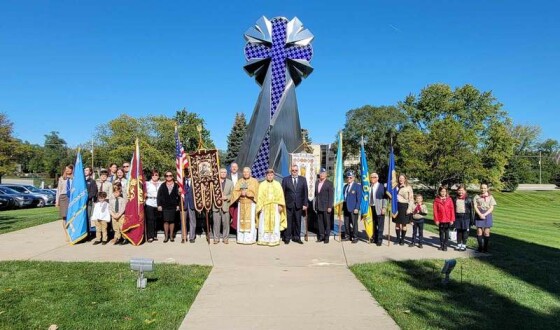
30,157
56,154
235,137
521,165
454,136
189,122
7,146
156,136
376,124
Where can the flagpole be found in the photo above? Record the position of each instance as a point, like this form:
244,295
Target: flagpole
92,170
389,208
183,220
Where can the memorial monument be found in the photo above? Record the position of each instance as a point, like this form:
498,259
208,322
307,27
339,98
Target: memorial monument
278,52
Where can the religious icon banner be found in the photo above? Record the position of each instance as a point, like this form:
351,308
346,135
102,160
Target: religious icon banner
205,173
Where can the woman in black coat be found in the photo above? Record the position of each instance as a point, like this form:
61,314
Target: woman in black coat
168,202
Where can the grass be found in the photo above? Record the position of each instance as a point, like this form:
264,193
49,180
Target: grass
24,218
35,295
516,286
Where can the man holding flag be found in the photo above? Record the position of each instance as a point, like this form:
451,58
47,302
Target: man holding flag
377,203
76,221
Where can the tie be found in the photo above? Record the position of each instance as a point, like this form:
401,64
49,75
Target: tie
295,182
117,205
101,188
223,185
347,189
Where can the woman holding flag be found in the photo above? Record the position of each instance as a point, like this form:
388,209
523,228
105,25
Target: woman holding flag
405,198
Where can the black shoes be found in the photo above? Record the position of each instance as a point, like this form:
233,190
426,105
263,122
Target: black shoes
166,240
96,242
191,241
354,241
326,241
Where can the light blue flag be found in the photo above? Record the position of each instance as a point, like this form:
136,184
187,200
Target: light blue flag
76,219
392,183
365,210
338,184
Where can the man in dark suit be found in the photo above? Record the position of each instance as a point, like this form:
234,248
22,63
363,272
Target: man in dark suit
295,193
189,206
377,202
351,206
324,199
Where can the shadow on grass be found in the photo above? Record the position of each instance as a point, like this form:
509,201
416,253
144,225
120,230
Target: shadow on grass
6,222
533,263
459,305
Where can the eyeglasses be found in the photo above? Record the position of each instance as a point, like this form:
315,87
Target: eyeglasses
126,165
294,170
168,176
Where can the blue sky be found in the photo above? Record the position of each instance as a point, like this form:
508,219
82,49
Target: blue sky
70,66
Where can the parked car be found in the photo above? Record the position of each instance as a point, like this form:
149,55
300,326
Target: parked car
20,199
32,191
6,202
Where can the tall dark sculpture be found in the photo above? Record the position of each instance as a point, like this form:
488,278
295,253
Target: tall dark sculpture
278,52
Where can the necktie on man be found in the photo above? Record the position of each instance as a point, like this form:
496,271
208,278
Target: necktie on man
295,182
117,205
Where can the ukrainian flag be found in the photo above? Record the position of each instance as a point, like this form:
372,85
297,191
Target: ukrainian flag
365,210
392,183
76,220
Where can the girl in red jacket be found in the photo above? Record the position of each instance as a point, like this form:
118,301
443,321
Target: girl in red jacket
444,216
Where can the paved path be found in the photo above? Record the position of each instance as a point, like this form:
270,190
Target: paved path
250,287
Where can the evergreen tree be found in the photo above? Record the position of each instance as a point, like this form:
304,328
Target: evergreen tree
235,137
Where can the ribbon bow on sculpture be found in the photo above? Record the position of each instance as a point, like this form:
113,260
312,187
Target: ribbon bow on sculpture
278,52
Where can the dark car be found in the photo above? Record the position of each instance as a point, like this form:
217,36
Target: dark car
6,202
21,199
48,199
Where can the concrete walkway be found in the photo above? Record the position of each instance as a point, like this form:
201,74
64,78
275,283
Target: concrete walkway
250,287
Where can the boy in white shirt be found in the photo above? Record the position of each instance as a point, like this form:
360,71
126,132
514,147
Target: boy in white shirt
100,218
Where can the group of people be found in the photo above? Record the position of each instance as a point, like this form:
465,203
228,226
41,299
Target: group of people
106,204
269,212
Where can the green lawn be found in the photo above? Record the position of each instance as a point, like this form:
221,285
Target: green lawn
517,286
24,218
35,295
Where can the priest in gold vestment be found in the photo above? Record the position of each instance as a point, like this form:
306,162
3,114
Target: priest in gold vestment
246,193
271,211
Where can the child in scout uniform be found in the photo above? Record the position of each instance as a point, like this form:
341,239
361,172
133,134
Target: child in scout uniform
420,211
484,206
117,205
100,218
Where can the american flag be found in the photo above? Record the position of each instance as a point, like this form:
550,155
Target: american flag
181,160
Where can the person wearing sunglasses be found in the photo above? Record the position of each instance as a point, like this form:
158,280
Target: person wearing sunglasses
168,204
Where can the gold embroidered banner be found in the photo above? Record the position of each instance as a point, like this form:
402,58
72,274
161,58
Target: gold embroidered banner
306,165
205,173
